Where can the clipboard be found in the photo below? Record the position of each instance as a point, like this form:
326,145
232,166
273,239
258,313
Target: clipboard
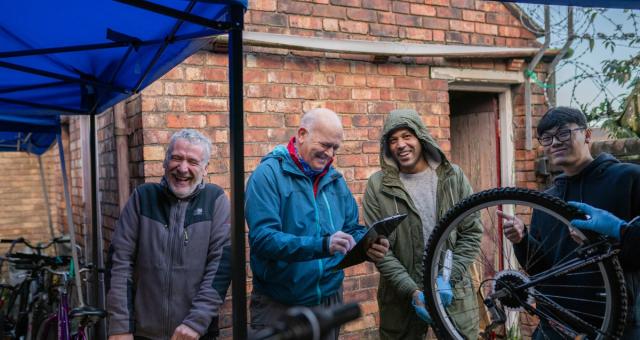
358,253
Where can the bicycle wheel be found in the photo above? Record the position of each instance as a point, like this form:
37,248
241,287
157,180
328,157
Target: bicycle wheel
555,284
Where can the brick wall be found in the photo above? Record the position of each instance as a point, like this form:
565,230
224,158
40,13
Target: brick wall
23,212
280,84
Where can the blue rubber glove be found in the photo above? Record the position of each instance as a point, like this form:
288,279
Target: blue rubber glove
421,310
445,290
600,221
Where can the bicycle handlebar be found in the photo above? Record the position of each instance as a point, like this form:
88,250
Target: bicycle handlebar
38,246
309,323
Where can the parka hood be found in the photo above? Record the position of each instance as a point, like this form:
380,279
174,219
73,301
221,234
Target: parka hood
408,118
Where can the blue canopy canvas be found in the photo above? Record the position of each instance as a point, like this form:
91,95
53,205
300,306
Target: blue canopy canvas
33,134
82,57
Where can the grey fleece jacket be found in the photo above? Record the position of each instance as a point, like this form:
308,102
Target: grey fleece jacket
169,262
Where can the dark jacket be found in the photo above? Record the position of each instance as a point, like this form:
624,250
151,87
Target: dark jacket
607,184
289,227
401,270
169,262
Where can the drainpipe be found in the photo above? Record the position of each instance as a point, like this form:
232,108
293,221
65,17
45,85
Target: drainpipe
563,52
122,152
527,84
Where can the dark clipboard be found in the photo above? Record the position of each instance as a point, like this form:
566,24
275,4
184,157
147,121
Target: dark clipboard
358,253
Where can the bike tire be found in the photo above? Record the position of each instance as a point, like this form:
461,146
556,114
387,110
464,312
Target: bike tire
444,325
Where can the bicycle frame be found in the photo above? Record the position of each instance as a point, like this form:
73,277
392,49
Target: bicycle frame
61,318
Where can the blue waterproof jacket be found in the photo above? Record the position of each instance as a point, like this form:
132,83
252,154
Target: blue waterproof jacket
289,229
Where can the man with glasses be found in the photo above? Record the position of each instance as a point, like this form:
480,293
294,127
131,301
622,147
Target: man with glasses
603,182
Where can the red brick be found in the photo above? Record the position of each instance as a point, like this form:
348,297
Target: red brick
268,18
327,11
383,30
354,27
382,5
333,65
437,2
215,74
426,10
498,18
400,7
408,83
449,13
392,69
264,90
386,18
302,92
350,80
262,5
470,15
462,26
347,3
255,105
379,81
471,4
335,93
347,107
408,20
254,76
186,121
484,40
217,59
418,34
265,61
366,94
185,89
195,59
177,73
506,31
486,29
330,25
217,120
311,23
294,7
359,14
438,35
265,120
284,106
203,105
217,90
436,23
456,37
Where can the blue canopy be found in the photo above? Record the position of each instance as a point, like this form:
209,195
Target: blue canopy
82,57
34,134
632,4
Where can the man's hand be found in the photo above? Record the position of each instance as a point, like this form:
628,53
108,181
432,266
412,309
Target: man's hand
599,220
121,337
341,242
378,249
512,226
184,332
418,305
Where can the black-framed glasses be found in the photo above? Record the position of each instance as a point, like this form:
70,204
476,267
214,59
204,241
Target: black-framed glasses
562,135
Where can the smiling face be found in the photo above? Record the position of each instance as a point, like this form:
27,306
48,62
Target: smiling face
406,150
184,168
318,145
573,154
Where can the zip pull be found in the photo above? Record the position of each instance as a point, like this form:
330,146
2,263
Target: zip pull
186,236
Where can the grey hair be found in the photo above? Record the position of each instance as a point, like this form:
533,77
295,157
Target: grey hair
310,118
192,136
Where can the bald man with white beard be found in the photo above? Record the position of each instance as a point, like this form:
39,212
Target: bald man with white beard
302,219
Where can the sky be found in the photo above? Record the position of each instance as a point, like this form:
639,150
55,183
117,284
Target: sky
584,60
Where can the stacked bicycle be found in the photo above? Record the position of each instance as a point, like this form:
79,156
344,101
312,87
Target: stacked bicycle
38,306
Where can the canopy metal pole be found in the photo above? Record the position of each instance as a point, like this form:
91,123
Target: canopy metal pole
46,200
72,229
96,231
236,133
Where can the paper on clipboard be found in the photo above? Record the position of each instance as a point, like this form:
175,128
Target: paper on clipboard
358,254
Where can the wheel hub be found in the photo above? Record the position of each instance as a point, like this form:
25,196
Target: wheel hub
509,279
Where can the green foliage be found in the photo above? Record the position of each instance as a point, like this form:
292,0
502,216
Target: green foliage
513,333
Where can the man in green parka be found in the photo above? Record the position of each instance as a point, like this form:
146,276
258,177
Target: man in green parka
417,179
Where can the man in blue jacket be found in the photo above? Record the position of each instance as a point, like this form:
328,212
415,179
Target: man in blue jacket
302,218
603,182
